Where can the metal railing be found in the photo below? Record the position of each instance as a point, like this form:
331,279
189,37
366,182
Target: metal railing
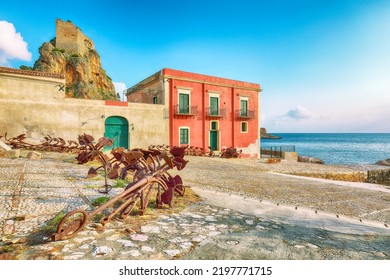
245,114
215,112
275,151
186,110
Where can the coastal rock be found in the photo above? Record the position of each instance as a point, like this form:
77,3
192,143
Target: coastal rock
265,135
310,159
78,61
385,162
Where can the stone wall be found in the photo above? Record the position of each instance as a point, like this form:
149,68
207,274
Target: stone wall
379,176
36,106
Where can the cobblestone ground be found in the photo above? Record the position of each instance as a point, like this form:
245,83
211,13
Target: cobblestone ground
257,179
33,192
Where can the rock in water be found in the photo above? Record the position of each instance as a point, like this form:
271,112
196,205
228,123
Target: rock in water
385,162
72,53
265,135
310,159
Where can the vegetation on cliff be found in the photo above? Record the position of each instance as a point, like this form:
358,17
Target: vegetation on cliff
84,75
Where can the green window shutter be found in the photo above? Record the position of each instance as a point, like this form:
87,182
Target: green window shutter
213,125
214,106
184,135
184,103
244,108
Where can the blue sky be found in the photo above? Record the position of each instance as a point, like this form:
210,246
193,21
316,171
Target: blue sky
324,66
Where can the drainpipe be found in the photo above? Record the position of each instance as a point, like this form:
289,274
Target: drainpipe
203,118
171,87
233,115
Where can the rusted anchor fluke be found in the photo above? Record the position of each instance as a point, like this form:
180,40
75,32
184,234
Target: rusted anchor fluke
150,177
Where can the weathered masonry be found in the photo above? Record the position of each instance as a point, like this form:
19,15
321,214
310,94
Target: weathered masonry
34,103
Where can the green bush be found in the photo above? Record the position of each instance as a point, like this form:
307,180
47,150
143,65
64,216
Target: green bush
100,201
24,67
58,50
119,183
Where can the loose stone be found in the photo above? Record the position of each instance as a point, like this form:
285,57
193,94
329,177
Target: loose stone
311,246
103,250
172,253
147,249
186,245
126,243
134,253
139,237
199,238
150,229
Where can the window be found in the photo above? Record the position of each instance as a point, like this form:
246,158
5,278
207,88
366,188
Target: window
244,127
214,106
184,136
243,107
155,100
214,125
184,103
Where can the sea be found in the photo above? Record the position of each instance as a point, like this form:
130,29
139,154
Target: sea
336,148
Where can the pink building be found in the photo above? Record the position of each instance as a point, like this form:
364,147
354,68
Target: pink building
204,111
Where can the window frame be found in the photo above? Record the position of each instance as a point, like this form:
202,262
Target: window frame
184,92
214,95
246,126
188,135
246,99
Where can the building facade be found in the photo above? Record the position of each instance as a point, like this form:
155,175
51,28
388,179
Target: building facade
204,111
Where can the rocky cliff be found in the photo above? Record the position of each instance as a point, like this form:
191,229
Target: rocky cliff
84,75
265,135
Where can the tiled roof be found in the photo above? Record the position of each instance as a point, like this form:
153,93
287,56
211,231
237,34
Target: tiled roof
30,73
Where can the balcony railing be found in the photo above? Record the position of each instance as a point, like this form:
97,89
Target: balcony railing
215,112
185,110
245,114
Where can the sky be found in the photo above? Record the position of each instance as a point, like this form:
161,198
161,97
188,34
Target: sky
324,66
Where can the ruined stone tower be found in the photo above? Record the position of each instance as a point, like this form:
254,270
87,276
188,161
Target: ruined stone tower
73,55
70,38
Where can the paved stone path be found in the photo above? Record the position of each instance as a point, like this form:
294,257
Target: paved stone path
33,192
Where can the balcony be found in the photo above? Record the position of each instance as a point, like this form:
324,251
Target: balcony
185,110
212,112
245,114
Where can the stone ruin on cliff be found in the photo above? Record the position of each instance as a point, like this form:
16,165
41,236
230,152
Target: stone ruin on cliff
72,53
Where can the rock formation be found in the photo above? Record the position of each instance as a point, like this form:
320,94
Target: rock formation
72,53
385,162
265,135
310,159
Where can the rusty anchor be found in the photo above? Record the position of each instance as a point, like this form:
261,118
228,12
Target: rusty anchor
150,169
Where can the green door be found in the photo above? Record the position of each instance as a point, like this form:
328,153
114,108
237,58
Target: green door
214,110
117,128
213,140
214,136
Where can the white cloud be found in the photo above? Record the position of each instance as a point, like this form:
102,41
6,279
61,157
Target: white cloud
120,88
12,45
300,113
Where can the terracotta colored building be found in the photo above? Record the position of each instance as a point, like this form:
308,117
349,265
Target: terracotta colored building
204,111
